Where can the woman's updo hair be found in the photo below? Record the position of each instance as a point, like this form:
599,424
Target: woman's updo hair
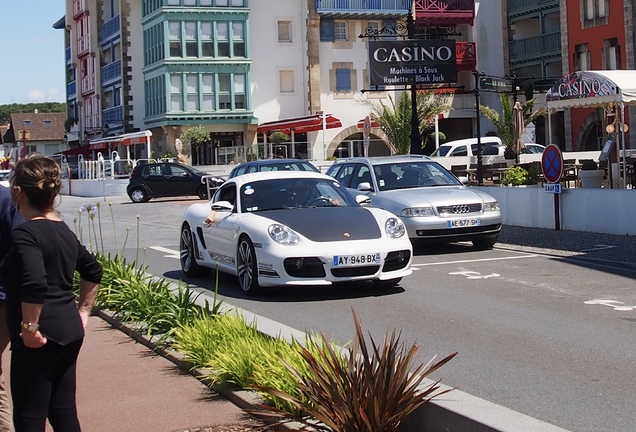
39,177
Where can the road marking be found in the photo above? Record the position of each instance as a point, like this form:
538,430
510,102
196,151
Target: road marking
616,305
476,260
474,275
171,253
599,247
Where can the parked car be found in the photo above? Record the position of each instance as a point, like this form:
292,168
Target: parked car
293,228
272,165
4,177
491,146
433,204
168,179
532,148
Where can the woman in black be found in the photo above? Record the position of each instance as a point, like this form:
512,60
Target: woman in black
46,322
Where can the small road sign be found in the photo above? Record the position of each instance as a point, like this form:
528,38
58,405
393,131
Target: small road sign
552,163
366,127
554,188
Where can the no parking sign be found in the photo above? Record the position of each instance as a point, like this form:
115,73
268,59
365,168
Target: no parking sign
552,163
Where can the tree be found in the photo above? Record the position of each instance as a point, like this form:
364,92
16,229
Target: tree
395,119
196,136
504,123
43,107
279,137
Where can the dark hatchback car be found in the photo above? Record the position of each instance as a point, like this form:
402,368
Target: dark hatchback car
272,165
166,179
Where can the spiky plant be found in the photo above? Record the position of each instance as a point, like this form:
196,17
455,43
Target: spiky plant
373,390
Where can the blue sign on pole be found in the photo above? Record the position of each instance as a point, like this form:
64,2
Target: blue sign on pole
552,163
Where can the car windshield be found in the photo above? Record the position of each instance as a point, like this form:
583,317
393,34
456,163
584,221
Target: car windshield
286,193
442,151
404,175
289,166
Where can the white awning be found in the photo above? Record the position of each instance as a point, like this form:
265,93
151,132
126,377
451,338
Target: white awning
592,89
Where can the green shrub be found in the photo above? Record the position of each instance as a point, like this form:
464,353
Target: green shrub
515,176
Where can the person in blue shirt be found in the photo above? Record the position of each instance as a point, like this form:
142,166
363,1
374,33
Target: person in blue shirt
9,219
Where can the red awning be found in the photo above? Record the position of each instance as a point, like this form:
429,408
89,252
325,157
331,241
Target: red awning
98,146
83,150
300,124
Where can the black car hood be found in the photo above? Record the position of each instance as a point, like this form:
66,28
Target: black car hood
324,224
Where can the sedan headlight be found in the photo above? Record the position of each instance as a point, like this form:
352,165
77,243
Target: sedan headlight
394,228
283,235
418,211
491,206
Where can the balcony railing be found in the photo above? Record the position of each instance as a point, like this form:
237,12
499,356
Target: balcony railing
537,47
466,53
83,45
111,72
113,116
366,8
444,12
71,90
68,55
78,8
522,7
109,30
88,84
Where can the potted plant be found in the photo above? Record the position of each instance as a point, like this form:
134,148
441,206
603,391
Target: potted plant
591,176
515,176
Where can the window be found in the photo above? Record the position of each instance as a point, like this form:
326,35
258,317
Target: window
192,92
326,31
611,54
225,99
340,30
343,80
47,122
239,91
223,40
207,40
26,122
191,39
286,81
176,93
581,57
284,32
207,92
238,40
175,39
594,12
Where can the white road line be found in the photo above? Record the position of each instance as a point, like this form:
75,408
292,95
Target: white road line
171,253
475,260
599,247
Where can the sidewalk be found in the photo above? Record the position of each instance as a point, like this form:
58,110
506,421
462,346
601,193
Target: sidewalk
123,386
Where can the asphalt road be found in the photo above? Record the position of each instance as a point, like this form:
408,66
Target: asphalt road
543,323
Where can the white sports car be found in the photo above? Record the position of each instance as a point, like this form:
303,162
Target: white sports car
293,228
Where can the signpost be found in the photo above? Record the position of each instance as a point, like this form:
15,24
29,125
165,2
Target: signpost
552,167
24,135
366,131
490,83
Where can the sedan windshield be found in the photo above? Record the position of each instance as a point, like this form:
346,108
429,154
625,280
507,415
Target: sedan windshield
294,193
406,175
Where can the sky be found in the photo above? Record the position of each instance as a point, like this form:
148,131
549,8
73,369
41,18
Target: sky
33,63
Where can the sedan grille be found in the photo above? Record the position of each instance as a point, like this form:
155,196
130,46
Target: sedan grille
459,209
304,267
355,271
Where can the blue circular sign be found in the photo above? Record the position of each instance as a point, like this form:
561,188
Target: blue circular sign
552,163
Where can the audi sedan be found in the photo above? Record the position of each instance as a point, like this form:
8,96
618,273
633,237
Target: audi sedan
292,228
433,204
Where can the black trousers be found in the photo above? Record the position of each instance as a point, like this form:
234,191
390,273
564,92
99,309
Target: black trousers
43,385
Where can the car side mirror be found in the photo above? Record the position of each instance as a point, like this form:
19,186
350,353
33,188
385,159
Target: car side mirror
363,199
222,206
464,180
365,186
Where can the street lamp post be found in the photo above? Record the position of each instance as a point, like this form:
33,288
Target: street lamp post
416,143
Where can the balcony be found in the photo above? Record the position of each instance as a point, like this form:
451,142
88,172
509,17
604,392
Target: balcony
535,48
113,116
445,12
363,8
71,90
83,45
68,56
466,53
111,73
78,8
519,8
109,30
88,84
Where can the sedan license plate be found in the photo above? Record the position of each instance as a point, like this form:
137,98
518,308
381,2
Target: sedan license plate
458,223
355,260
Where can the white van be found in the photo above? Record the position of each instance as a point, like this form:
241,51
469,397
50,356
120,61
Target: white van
491,146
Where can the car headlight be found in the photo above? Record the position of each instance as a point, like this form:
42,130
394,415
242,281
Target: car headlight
491,206
418,211
394,228
283,235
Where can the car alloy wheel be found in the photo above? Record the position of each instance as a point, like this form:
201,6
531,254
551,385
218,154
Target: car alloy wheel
247,267
187,256
138,195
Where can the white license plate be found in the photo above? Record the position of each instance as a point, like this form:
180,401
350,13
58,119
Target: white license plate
457,223
355,260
